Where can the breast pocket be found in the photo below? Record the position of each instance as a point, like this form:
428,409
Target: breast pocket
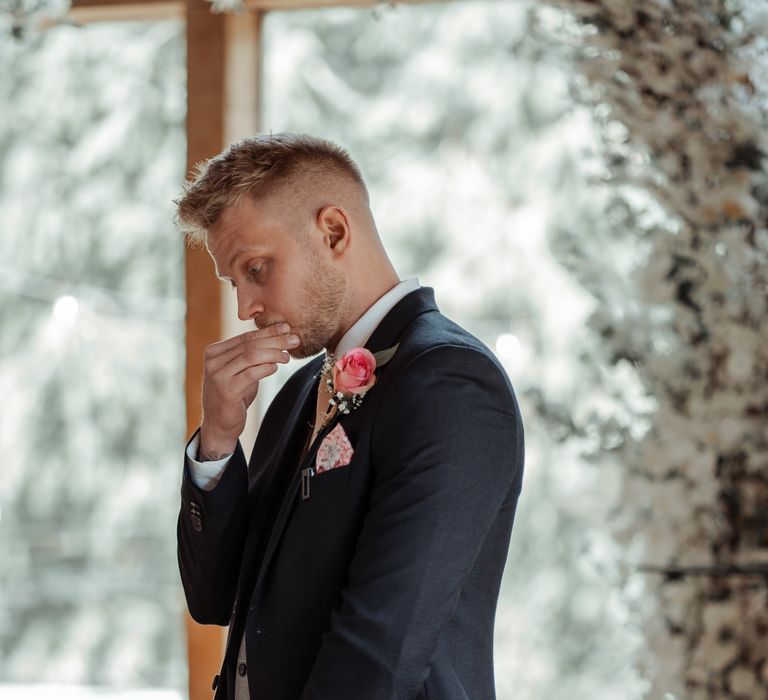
326,487
335,507
331,512
328,473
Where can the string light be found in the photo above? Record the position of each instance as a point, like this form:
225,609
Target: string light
66,309
67,298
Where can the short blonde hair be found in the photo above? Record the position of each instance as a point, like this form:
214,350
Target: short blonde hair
257,166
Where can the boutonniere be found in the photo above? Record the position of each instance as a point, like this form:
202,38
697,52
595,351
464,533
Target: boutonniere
351,376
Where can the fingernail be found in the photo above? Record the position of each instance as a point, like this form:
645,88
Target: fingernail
284,327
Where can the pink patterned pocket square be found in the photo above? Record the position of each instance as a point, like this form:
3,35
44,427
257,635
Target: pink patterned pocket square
335,451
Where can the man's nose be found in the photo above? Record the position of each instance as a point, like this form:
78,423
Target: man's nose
248,306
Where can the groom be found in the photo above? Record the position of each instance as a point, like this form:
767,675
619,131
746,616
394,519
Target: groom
358,553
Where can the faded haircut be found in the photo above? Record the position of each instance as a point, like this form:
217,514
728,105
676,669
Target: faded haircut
256,166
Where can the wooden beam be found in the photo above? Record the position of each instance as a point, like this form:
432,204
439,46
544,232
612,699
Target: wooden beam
222,105
242,106
85,11
205,138
265,5
88,11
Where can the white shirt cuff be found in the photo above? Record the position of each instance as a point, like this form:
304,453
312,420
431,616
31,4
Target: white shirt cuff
205,475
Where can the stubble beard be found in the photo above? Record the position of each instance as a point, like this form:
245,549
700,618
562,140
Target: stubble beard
322,303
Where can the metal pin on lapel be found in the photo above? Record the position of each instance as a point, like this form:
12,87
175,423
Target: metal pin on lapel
305,475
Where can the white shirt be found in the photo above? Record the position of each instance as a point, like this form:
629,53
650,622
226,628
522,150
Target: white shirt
206,475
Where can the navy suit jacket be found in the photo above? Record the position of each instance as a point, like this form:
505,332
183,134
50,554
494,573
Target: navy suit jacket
383,583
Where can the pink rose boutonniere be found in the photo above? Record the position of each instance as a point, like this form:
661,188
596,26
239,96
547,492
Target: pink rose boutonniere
352,375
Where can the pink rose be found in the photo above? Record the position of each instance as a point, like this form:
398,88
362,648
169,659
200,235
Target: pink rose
353,371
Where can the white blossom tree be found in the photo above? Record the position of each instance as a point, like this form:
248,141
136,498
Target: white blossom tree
681,93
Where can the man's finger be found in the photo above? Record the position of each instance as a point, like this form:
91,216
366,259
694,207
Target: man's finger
278,342
251,376
216,349
267,331
282,341
263,355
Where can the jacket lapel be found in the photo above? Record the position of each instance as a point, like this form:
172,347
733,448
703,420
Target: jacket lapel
413,304
293,432
264,481
384,336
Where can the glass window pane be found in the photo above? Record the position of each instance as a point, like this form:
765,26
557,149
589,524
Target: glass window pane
92,151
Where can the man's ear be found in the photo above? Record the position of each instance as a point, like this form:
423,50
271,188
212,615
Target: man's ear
334,224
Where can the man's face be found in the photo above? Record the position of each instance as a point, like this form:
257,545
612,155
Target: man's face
274,259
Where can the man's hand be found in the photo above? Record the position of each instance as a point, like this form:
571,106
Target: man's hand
233,370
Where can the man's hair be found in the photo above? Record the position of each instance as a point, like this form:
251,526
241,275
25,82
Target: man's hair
256,165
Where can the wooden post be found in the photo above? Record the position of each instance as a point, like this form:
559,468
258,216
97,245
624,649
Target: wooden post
205,136
222,82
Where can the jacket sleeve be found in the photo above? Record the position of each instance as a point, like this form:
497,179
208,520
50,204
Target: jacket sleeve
210,531
447,454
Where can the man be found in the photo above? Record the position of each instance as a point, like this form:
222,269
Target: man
358,554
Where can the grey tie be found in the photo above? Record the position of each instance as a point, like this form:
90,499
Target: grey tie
321,417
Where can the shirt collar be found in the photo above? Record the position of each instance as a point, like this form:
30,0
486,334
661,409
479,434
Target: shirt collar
361,330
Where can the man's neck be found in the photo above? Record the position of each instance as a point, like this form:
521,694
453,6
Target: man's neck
366,301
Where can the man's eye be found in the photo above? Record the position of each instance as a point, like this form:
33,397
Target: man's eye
255,270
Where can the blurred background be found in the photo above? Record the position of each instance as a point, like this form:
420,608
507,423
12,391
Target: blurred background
492,181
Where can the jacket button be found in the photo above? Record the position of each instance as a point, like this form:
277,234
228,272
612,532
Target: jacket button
197,523
241,669
215,683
